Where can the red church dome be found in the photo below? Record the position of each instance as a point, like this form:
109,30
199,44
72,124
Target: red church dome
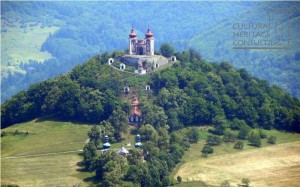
149,33
132,33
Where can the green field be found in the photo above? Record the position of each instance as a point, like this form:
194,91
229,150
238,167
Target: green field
22,44
278,164
47,156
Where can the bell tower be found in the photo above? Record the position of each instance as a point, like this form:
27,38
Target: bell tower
132,42
149,42
141,46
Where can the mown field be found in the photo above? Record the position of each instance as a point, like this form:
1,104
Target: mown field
47,156
269,165
23,44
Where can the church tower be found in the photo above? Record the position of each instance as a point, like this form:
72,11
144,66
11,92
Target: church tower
132,42
149,42
141,46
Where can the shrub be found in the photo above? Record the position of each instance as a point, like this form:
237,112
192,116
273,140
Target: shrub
3,133
225,184
272,140
262,134
167,181
16,132
179,179
244,132
228,137
207,149
246,181
213,140
254,139
239,145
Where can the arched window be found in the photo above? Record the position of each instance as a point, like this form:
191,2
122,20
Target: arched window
110,61
122,66
147,87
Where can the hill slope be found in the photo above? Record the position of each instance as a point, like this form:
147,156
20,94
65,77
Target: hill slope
281,169
47,156
189,92
279,67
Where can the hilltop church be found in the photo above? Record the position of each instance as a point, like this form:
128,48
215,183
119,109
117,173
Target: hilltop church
141,54
141,46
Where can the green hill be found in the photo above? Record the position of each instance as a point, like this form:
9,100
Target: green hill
188,92
191,91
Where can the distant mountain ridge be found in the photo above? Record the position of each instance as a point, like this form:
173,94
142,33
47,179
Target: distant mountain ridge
281,67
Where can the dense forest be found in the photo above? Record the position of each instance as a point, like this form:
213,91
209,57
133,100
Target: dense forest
88,28
191,92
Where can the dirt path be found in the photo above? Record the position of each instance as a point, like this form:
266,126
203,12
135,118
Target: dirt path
277,166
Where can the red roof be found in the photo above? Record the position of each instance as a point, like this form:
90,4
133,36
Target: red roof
135,101
132,33
149,33
136,111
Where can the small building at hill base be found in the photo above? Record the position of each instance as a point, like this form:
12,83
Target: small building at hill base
123,151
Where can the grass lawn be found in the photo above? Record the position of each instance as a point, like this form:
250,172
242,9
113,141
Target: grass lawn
269,165
22,44
33,165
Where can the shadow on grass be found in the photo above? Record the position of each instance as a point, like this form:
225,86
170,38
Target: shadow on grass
59,119
93,180
134,131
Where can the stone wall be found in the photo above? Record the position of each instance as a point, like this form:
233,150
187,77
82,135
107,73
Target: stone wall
132,60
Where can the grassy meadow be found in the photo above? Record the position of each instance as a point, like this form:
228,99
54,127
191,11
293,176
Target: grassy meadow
47,156
23,44
269,165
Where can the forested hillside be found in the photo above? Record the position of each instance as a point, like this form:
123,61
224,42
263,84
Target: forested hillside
279,67
79,30
191,91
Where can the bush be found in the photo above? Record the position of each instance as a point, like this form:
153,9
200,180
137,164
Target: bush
246,181
262,134
213,140
225,184
179,179
207,149
193,135
228,137
16,132
254,139
239,145
3,133
244,132
168,181
272,140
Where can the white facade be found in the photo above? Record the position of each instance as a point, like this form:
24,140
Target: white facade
141,46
